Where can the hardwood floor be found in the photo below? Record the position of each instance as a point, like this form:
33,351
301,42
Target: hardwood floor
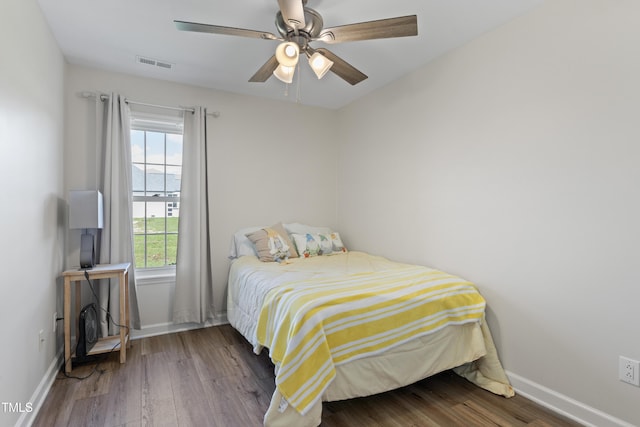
210,377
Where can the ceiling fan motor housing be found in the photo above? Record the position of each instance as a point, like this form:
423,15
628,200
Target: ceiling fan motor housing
312,28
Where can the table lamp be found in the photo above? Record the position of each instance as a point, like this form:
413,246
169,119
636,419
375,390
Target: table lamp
86,212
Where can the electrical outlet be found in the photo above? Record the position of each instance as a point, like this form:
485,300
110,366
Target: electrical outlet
55,322
629,371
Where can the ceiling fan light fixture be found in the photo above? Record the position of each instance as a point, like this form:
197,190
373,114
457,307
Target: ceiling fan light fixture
284,73
320,64
287,54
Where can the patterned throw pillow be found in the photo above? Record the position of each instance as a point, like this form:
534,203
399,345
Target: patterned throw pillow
336,242
308,245
272,244
326,246
312,244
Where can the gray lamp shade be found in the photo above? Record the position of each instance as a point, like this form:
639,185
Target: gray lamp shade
86,212
85,209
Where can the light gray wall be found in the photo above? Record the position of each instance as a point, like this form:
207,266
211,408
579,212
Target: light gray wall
515,163
32,215
270,164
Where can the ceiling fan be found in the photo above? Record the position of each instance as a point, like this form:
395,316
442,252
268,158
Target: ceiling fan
298,26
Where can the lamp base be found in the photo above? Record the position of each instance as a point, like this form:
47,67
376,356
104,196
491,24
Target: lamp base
87,252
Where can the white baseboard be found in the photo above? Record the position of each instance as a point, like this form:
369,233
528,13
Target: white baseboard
169,328
564,405
40,394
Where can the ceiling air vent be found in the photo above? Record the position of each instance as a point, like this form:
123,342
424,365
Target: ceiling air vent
154,62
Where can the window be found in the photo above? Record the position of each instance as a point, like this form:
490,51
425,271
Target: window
156,156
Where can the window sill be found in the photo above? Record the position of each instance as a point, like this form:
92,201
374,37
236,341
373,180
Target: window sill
155,276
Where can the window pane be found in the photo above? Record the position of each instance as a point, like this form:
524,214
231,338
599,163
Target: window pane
172,246
138,217
139,250
137,146
155,250
155,147
174,149
137,178
155,180
172,224
173,212
173,180
156,217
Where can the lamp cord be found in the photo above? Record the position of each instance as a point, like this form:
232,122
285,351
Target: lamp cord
109,317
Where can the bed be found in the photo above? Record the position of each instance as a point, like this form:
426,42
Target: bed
341,324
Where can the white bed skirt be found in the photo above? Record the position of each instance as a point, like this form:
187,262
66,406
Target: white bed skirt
404,365
468,349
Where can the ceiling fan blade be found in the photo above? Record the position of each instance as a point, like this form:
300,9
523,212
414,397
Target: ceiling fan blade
229,31
402,26
292,12
343,69
266,71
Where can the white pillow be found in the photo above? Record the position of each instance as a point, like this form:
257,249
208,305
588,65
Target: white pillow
241,245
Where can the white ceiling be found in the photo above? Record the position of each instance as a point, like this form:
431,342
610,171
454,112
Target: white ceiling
109,34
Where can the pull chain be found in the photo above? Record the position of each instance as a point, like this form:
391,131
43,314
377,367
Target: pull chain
298,97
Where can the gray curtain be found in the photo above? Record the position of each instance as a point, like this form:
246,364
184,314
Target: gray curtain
116,238
193,301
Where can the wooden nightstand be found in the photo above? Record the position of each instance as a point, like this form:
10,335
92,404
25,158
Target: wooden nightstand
105,344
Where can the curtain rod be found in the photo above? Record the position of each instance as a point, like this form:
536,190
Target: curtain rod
104,97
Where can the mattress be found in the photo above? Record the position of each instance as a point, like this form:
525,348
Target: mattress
465,346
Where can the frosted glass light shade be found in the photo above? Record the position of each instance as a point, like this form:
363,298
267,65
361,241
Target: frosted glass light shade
85,209
284,74
287,54
320,64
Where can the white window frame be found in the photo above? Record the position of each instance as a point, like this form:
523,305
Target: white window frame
151,122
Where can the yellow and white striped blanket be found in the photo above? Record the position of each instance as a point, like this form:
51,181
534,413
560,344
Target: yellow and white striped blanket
314,325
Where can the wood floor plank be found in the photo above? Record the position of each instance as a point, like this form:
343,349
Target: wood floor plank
124,400
221,361
158,407
189,395
435,410
97,384
489,413
209,336
56,409
260,365
170,345
88,411
389,406
354,412
232,336
228,400
539,423
210,377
